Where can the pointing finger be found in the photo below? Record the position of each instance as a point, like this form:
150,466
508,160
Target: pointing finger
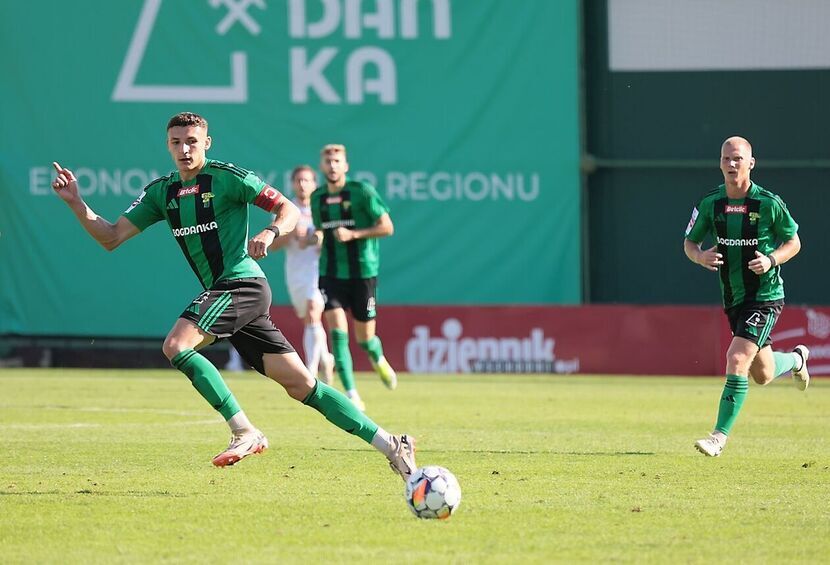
57,167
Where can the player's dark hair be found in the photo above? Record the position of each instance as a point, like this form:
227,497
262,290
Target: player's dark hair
187,119
300,168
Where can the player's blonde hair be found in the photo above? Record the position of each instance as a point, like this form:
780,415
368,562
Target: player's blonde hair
333,148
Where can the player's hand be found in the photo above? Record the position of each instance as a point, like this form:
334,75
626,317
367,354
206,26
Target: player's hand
65,184
258,245
761,264
710,258
343,235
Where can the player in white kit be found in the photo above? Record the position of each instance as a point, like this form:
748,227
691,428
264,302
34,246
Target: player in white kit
302,256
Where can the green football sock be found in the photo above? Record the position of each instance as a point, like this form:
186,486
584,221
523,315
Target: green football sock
784,362
341,411
373,347
734,394
342,358
206,379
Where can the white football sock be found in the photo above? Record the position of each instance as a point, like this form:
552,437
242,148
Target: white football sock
383,442
240,423
314,345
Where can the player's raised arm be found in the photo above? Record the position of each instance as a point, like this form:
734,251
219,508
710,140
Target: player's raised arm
109,235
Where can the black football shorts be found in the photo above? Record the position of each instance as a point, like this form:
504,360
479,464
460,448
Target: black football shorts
357,295
239,310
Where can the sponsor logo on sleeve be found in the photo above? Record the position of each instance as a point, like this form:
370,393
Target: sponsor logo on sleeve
692,221
136,202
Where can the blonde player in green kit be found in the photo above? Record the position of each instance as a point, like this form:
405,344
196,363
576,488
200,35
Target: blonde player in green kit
753,235
353,217
205,206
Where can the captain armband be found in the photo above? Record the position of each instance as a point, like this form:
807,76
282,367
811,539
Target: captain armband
268,198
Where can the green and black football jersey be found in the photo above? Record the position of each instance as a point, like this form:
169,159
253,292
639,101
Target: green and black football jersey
208,217
740,226
357,206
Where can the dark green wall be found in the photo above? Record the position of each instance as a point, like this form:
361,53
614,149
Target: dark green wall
656,139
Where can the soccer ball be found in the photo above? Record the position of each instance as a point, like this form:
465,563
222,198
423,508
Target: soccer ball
433,492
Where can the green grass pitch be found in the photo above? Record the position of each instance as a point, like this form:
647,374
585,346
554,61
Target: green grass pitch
106,466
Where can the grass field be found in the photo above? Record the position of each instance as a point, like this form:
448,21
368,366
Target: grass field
106,466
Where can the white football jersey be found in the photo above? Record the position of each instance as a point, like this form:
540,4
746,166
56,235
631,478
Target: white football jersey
302,265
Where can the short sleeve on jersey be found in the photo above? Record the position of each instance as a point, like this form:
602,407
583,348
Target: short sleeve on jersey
375,204
145,211
250,186
258,193
784,226
698,225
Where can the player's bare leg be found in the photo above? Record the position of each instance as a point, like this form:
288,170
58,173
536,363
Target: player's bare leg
181,347
290,372
739,359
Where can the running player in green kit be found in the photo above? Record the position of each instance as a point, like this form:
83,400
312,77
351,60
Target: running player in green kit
352,216
754,235
205,205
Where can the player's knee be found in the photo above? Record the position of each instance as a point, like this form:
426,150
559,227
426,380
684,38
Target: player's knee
299,387
171,347
738,362
296,380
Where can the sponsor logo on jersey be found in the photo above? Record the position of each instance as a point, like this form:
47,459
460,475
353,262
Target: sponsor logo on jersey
737,242
692,221
173,205
188,191
192,230
136,202
735,209
334,199
338,224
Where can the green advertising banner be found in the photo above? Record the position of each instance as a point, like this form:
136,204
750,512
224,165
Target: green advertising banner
464,115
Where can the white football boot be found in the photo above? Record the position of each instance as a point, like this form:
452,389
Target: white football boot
801,377
710,446
241,446
402,459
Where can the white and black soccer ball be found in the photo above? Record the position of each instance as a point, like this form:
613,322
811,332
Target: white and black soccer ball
433,492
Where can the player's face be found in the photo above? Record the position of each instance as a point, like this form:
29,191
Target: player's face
735,162
304,184
334,166
187,145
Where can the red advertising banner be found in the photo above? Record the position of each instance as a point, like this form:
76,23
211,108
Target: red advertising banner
569,339
612,339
